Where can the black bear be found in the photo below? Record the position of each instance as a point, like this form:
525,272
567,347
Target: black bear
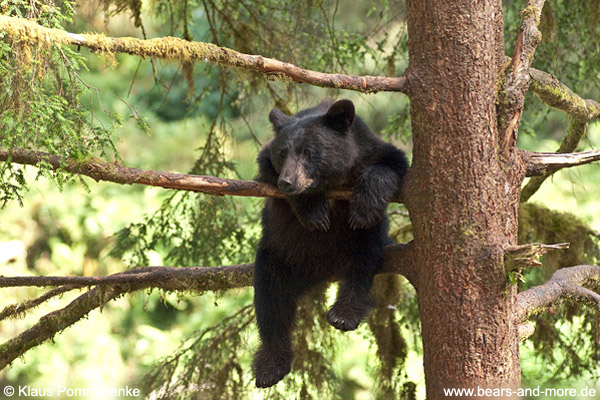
307,239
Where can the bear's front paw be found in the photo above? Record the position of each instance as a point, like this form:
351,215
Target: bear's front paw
315,218
346,318
270,366
366,211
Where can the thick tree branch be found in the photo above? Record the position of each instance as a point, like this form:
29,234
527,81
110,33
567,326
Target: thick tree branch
565,283
558,95
197,279
179,49
397,259
100,170
511,99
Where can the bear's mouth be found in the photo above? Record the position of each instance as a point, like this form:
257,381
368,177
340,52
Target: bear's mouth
300,186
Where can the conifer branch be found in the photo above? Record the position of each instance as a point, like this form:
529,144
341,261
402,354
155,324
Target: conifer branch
565,283
101,170
397,259
536,164
581,111
18,309
558,95
20,29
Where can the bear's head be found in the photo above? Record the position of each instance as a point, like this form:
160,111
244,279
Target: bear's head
314,150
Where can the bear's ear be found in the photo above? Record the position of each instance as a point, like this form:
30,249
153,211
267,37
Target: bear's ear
278,118
340,115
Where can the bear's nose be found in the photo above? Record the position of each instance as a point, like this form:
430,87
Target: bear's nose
285,184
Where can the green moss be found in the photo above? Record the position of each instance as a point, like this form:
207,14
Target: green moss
540,224
531,12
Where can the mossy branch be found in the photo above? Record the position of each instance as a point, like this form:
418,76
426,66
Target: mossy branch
565,283
581,111
397,259
558,95
23,30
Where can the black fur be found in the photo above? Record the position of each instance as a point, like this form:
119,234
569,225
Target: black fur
308,239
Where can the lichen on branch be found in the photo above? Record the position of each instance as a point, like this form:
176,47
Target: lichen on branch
565,283
19,29
397,259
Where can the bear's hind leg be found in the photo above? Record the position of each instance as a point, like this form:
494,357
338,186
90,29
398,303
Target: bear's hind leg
354,301
350,308
275,302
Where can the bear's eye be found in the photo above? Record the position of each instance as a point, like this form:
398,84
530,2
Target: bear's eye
307,153
282,153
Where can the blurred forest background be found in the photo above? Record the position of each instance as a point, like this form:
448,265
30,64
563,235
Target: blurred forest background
201,118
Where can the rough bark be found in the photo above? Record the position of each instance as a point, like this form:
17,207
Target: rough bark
462,197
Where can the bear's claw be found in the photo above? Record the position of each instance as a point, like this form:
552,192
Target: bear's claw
269,375
343,319
271,365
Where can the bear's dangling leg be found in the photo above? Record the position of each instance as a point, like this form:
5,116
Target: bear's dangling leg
353,301
275,301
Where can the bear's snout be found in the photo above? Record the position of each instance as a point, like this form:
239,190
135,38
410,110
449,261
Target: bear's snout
293,179
286,185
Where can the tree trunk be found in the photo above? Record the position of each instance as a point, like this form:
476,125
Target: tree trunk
462,196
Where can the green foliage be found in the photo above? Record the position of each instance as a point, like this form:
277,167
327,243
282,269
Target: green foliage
40,100
208,366
191,228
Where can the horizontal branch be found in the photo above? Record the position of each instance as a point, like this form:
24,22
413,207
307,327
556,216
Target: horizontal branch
101,170
198,279
565,283
547,163
397,259
179,49
581,111
527,255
